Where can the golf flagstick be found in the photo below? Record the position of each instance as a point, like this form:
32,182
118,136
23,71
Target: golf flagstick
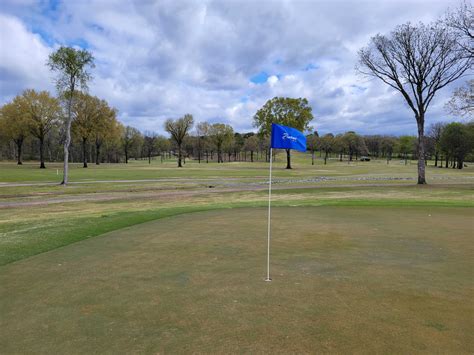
269,215
282,137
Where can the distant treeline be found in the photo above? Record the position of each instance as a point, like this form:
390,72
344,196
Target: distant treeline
31,128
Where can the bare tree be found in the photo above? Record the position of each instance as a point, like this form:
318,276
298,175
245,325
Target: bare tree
312,141
202,132
149,143
418,61
461,22
179,129
461,103
434,132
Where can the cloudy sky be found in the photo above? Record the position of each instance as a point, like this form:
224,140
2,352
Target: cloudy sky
218,60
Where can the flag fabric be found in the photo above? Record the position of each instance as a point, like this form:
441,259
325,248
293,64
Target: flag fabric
284,137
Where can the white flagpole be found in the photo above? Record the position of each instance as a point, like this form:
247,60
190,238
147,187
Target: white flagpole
269,215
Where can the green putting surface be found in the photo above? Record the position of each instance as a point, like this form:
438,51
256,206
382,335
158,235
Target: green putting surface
345,279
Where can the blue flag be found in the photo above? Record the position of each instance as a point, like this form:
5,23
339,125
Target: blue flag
287,138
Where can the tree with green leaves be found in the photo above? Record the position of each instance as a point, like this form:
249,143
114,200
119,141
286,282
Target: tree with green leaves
221,135
130,140
339,145
327,143
107,128
179,129
417,61
387,145
42,112
71,66
163,145
457,141
14,124
228,146
354,144
405,146
87,114
286,111
251,145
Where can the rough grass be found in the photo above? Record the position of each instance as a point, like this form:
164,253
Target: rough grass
82,210
141,170
345,280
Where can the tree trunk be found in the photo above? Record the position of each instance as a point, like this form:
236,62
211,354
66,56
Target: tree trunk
149,158
421,150
312,157
19,145
288,159
126,156
325,157
436,159
42,166
447,160
67,141
251,156
179,156
84,153
460,163
97,153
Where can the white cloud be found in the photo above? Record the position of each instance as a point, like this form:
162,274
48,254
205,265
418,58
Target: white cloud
160,59
272,80
23,57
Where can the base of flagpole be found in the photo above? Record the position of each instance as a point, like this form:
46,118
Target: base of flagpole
268,279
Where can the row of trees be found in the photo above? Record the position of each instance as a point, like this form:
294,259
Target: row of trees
31,126
39,117
452,143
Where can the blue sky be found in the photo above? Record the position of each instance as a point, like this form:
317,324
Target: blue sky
218,60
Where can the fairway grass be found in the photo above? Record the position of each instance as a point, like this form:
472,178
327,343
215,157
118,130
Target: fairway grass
27,230
345,280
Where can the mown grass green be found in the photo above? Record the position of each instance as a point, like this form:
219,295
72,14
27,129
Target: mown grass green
345,280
